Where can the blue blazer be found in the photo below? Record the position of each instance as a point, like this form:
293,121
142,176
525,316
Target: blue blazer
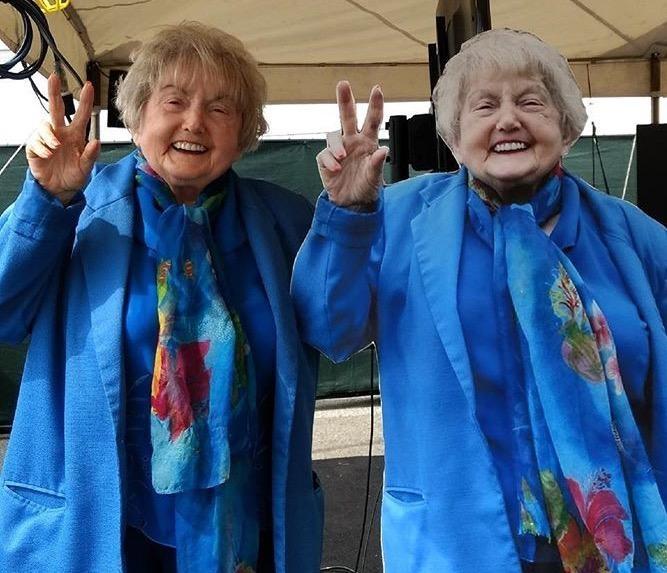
391,276
63,275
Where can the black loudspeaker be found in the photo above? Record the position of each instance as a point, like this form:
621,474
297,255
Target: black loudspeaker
422,141
399,151
115,76
652,170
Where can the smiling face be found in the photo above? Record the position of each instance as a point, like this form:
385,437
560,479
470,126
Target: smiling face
510,135
189,133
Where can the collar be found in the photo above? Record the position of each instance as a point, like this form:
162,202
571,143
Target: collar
566,231
226,226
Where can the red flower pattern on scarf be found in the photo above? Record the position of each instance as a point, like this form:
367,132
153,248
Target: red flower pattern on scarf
183,386
603,514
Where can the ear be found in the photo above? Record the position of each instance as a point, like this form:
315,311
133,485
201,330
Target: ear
454,148
565,149
135,138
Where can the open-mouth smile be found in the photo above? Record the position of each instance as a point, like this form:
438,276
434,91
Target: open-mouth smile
189,147
509,146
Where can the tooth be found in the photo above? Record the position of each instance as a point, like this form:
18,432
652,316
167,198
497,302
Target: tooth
510,146
187,146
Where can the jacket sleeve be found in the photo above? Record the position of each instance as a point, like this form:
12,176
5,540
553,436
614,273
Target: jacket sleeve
650,241
335,279
36,233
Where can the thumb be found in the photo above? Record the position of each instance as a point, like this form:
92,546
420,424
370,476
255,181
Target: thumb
378,158
89,155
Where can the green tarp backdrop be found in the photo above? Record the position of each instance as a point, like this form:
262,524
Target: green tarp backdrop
292,165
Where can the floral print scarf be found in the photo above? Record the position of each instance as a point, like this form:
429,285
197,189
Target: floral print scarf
585,480
203,414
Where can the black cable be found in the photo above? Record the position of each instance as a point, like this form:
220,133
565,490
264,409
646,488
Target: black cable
370,464
365,535
370,529
596,141
32,15
593,151
30,12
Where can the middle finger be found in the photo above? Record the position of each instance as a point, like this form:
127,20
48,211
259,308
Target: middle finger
56,105
374,114
346,108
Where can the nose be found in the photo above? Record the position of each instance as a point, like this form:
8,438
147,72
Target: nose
193,119
508,119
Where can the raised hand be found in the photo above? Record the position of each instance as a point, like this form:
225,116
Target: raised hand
351,165
58,155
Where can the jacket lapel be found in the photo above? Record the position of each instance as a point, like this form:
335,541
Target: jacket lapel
438,235
265,243
104,245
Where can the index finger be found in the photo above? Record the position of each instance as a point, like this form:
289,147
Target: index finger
85,108
374,114
56,104
347,108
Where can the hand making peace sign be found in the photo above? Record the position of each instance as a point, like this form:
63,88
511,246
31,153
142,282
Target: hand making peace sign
58,155
351,165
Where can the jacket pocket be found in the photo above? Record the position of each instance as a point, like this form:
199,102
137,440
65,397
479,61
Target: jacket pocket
31,527
34,497
404,519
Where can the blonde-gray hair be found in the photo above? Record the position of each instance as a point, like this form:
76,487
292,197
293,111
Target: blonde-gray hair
191,48
507,51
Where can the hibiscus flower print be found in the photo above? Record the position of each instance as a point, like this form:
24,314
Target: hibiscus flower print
600,327
580,348
181,385
603,516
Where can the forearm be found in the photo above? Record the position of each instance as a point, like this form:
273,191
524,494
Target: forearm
335,277
36,234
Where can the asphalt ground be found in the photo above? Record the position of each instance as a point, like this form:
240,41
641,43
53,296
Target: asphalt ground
340,458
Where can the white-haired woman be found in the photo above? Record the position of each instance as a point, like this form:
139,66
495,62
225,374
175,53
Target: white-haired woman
164,416
519,318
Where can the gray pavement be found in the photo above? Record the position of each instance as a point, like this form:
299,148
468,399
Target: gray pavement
340,452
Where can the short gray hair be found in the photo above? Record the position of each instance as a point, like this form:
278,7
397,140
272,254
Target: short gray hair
190,48
512,51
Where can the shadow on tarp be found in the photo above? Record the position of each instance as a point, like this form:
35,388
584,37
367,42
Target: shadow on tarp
344,483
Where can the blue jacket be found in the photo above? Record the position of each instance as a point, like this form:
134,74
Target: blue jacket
62,281
391,276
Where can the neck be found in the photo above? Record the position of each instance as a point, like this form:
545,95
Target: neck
186,195
517,194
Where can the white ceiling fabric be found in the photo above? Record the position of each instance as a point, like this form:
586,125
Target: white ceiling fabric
305,46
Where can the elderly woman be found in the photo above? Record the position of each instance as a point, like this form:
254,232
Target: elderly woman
519,318
165,413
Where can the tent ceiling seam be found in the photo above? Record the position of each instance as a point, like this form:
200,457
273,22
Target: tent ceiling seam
387,22
117,5
75,21
604,22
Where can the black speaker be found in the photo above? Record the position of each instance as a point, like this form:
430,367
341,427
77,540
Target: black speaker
113,120
399,151
422,141
652,170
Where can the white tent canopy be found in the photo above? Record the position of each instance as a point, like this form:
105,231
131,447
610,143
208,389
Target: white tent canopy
305,46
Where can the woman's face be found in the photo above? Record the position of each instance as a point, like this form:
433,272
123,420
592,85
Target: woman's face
510,136
189,133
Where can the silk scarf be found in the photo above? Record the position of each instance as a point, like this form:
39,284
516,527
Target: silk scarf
203,413
585,481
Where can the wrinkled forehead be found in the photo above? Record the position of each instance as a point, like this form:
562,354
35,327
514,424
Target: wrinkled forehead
190,73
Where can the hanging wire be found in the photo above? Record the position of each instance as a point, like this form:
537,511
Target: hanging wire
31,15
627,172
596,144
4,167
370,462
364,535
